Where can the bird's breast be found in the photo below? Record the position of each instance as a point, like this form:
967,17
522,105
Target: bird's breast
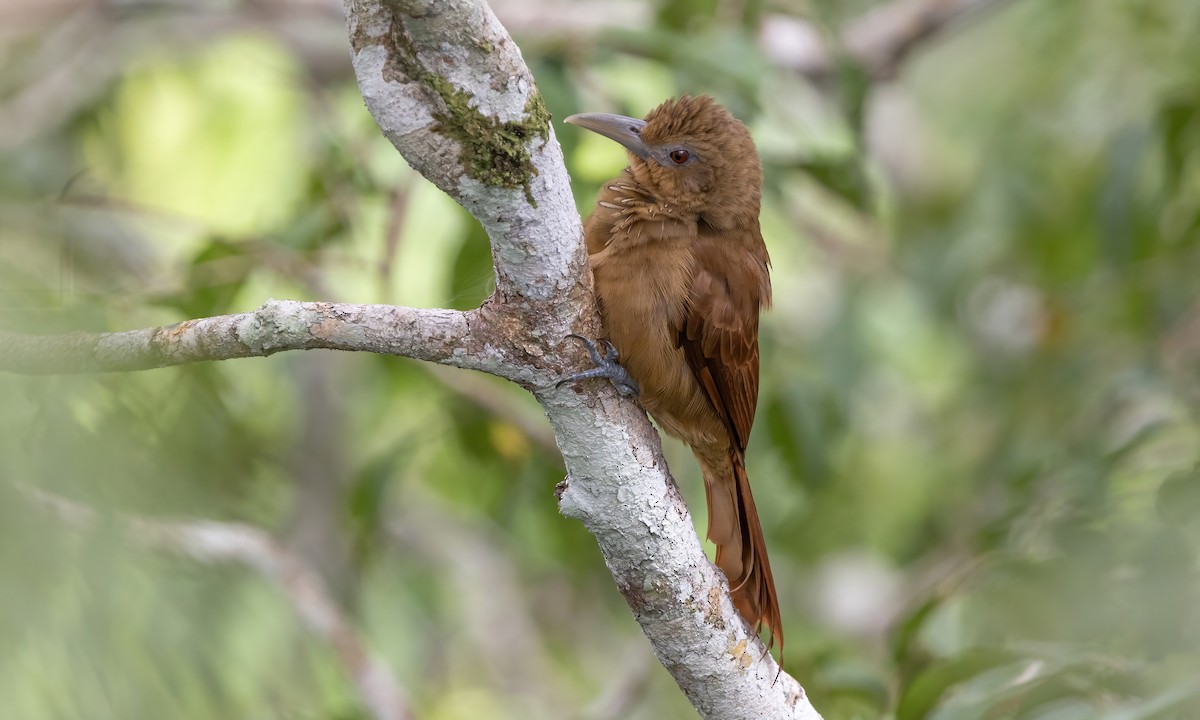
643,290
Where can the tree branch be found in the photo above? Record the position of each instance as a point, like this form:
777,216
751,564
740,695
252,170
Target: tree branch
449,88
491,607
448,337
214,542
878,41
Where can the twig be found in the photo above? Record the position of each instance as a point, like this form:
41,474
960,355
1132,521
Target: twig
415,59
320,470
214,542
418,62
570,19
878,41
489,601
493,399
436,335
631,678
90,50
395,226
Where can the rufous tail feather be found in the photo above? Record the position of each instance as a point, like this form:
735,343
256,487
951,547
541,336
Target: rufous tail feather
742,551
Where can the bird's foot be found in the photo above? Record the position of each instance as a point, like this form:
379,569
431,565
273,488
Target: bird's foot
606,367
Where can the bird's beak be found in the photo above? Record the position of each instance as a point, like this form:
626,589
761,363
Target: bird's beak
625,130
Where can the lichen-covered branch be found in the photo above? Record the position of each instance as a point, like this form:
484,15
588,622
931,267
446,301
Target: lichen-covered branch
443,79
443,336
449,88
216,542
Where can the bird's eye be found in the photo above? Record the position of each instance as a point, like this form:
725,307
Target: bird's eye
679,157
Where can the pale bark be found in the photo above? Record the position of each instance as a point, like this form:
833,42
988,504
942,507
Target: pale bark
446,84
437,335
618,484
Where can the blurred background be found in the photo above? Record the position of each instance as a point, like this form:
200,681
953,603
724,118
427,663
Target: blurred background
976,446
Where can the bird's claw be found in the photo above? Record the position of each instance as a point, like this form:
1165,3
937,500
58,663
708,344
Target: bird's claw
606,367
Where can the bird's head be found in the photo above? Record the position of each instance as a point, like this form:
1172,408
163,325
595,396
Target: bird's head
692,155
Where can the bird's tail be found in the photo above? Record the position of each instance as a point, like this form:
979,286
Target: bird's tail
741,550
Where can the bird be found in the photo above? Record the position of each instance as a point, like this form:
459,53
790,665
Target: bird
681,274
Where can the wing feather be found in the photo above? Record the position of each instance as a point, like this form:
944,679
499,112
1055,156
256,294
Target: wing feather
720,337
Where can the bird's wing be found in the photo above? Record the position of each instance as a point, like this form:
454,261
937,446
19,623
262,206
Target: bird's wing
719,335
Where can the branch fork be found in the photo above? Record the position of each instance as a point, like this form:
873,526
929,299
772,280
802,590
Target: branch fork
449,89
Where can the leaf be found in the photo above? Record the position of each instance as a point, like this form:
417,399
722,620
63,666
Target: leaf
367,498
1179,498
919,698
214,278
843,176
1171,701
1180,122
905,636
472,278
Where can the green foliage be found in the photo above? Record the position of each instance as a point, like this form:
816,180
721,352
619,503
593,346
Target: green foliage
976,451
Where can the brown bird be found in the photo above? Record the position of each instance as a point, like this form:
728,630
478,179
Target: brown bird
681,273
